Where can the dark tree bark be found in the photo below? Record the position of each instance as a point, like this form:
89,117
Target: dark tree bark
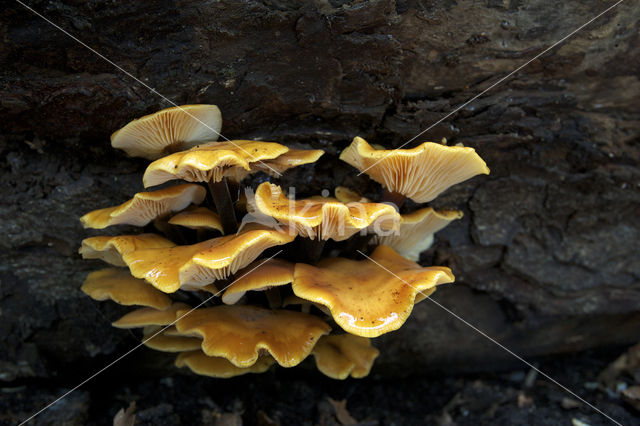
546,256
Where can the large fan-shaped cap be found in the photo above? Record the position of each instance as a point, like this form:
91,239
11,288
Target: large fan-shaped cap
239,333
369,297
111,249
342,355
421,173
416,231
200,264
212,161
219,367
145,206
323,218
169,130
118,285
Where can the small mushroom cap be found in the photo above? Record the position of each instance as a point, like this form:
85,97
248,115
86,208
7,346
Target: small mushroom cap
277,166
118,285
421,173
110,249
170,343
416,231
239,333
259,275
211,162
342,355
323,218
197,218
219,367
145,206
346,195
169,130
369,297
150,316
200,264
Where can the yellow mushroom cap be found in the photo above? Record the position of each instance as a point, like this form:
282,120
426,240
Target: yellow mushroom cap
277,165
169,130
145,206
200,264
259,275
219,367
239,333
171,343
416,231
197,218
421,173
343,355
369,297
149,316
323,218
118,285
346,195
210,162
110,249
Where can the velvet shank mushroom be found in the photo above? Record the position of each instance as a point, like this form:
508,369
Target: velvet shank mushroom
369,297
198,218
145,206
111,249
323,218
219,367
144,317
169,130
421,173
342,355
416,231
118,285
259,275
239,333
197,265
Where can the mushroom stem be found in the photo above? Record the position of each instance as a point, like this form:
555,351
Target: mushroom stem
274,297
224,205
171,232
393,197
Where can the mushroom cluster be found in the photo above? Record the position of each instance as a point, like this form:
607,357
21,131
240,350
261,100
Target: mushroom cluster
233,297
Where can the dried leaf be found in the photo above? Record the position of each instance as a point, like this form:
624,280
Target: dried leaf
125,418
342,414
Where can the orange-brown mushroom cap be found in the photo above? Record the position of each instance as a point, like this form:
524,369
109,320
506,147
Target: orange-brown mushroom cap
200,264
369,297
323,218
259,275
416,231
211,162
149,316
239,333
145,206
170,343
111,249
197,218
421,173
118,285
342,355
169,130
346,195
219,367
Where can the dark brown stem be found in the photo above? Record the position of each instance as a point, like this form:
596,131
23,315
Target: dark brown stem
173,233
224,205
274,297
311,250
393,197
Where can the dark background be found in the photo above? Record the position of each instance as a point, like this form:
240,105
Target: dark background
546,256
